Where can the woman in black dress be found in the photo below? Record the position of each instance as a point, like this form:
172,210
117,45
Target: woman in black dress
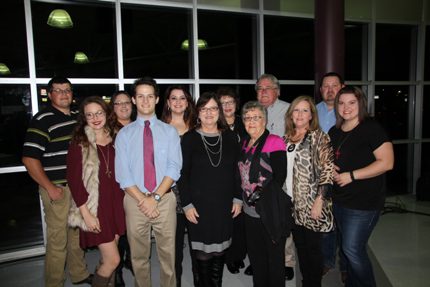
179,111
209,185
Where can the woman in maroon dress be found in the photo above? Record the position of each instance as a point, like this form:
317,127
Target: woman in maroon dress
97,207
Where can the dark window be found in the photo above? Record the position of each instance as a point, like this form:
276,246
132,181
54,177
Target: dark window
426,114
290,92
289,47
93,34
393,52
13,50
20,219
230,38
397,179
355,51
391,109
427,55
152,41
15,113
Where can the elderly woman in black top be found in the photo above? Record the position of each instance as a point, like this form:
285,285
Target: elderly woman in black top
267,208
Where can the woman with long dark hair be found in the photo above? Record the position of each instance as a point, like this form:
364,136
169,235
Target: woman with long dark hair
179,111
97,198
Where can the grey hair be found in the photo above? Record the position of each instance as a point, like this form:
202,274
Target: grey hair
270,77
254,105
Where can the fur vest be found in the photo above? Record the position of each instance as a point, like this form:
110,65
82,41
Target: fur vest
90,178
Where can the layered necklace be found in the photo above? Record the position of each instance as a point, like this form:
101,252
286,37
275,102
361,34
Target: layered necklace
211,149
108,171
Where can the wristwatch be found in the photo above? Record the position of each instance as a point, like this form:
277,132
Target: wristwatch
157,197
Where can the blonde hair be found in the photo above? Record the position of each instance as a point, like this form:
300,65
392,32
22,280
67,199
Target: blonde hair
289,124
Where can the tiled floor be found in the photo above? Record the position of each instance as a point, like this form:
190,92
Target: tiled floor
399,249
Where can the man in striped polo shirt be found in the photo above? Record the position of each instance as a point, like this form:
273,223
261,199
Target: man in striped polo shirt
44,156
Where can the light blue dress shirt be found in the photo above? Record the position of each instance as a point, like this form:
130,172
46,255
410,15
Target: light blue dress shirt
326,118
276,117
129,153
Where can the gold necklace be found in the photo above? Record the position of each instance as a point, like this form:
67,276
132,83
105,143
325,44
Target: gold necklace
108,172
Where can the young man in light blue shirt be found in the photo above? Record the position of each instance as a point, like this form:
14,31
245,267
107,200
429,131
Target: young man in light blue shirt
149,209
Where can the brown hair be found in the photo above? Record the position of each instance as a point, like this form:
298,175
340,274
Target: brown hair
203,100
361,99
289,125
189,116
79,136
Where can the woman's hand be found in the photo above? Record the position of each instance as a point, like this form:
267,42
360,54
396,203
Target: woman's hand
236,209
192,215
92,223
316,210
343,178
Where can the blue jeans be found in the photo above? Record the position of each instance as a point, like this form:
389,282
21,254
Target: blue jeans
330,242
355,227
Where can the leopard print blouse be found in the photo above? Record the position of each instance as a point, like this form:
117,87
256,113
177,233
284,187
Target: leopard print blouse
313,176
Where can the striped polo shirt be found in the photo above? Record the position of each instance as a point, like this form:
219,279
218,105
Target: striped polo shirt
47,139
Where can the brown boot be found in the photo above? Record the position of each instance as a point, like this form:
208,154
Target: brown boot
100,281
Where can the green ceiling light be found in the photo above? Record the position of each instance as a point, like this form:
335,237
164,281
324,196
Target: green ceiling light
201,44
4,69
59,18
81,58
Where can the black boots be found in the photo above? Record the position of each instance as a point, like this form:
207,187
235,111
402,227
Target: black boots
217,270
210,271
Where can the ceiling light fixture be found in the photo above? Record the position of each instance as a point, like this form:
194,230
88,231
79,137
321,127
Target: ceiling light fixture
201,44
59,18
4,69
81,58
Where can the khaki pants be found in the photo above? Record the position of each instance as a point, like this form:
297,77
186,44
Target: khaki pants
290,252
139,237
62,242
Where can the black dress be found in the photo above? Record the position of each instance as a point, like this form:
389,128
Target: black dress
210,184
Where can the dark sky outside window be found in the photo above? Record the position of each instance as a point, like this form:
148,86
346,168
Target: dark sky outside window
231,45
391,109
93,33
393,50
152,39
13,49
289,47
355,51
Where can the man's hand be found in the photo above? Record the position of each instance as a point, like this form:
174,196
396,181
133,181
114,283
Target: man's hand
56,193
149,207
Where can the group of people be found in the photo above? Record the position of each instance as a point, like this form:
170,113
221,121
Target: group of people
276,179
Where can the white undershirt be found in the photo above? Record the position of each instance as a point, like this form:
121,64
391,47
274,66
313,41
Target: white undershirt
288,186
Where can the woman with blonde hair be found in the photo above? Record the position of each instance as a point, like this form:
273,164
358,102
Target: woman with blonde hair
309,182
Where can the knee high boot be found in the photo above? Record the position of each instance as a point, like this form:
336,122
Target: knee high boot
204,271
217,270
100,281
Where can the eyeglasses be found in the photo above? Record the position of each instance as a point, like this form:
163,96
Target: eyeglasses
97,115
261,89
253,118
210,109
60,91
119,104
228,103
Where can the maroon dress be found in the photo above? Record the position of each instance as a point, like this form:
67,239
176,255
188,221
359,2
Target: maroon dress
110,211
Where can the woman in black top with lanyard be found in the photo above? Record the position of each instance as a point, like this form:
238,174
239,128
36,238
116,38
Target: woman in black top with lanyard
363,154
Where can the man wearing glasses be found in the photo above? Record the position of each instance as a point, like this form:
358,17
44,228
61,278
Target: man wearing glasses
148,161
44,156
268,91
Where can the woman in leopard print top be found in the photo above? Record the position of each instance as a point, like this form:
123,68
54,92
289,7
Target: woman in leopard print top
309,180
